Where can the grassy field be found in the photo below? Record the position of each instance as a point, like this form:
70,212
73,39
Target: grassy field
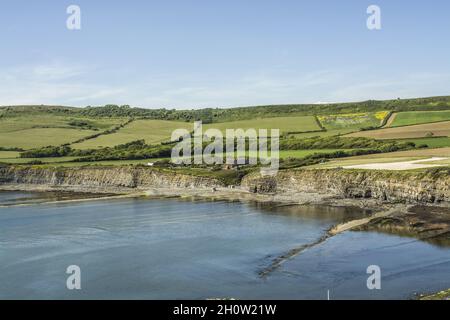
152,131
439,129
419,117
285,124
155,131
8,154
352,120
34,131
41,137
28,160
12,124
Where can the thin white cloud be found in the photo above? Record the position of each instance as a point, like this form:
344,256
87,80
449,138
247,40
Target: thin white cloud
53,83
71,84
57,71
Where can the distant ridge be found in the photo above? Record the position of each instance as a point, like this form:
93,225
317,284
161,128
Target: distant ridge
211,115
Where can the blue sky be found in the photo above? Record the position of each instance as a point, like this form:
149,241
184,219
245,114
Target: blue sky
191,54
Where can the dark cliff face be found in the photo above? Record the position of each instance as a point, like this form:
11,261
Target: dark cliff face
388,186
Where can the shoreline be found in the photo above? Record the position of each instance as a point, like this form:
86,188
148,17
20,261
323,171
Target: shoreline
211,194
381,212
401,218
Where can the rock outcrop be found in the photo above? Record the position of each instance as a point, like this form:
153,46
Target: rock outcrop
103,177
391,186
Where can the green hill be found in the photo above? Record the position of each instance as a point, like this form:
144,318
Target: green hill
214,115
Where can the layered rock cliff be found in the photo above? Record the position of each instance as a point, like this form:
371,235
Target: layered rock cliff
102,177
392,186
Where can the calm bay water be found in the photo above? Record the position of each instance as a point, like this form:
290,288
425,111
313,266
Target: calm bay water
174,249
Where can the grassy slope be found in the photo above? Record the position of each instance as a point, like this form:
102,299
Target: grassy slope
152,131
29,129
285,124
155,131
38,130
8,154
419,117
41,137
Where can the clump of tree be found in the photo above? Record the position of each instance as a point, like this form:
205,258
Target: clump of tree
109,131
82,124
212,115
55,152
338,142
11,149
133,150
47,152
319,157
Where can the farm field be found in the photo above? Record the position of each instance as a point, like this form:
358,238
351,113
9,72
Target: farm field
8,154
156,131
28,160
34,131
400,156
152,131
400,165
285,124
419,117
17,123
41,137
439,129
352,120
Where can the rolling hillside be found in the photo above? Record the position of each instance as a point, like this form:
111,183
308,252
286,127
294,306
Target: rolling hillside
419,117
28,130
152,131
424,122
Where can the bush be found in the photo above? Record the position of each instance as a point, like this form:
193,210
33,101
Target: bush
47,152
32,162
